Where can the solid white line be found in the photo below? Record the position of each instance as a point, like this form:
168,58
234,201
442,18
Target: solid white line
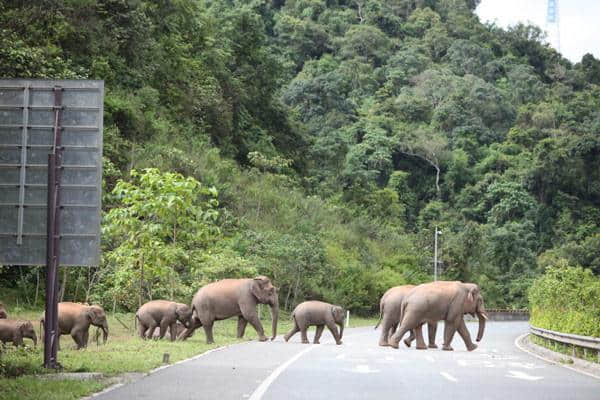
260,391
449,377
517,340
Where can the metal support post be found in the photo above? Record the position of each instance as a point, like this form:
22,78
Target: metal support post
51,333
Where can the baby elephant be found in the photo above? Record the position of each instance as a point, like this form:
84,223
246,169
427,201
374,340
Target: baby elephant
164,314
320,314
14,331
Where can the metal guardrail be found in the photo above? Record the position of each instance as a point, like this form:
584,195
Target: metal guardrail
585,342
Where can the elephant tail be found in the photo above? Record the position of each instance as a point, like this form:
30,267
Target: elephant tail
380,316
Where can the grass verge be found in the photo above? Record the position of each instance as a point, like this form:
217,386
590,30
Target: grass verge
579,352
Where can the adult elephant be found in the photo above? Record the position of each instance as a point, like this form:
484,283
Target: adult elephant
230,298
163,314
448,301
389,317
75,319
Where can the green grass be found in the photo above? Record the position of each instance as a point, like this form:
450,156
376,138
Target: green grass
124,352
589,355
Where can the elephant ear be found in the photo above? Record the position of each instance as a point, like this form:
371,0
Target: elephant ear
470,300
259,286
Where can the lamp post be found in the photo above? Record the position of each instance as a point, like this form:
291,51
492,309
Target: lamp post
435,253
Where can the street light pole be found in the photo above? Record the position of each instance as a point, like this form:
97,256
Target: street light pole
435,253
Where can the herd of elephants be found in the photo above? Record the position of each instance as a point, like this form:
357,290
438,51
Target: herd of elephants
402,309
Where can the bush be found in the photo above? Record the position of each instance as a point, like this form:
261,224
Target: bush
566,299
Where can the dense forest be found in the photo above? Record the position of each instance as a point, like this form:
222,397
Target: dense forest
320,142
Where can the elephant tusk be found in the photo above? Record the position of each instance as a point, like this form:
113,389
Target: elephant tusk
484,315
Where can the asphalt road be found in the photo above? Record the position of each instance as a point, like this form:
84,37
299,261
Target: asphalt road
359,369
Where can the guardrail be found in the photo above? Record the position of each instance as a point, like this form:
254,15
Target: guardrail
585,342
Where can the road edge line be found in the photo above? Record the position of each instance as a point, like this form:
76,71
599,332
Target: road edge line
518,339
262,388
145,374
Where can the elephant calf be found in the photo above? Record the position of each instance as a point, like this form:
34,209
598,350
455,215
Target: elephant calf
320,314
164,314
75,319
14,331
3,313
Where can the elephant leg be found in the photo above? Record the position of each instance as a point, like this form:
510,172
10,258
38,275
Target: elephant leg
173,331
303,329
465,335
164,324
241,326
431,331
408,324
420,341
251,316
386,330
142,330
150,331
408,341
449,330
334,331
292,332
318,334
208,330
86,337
77,338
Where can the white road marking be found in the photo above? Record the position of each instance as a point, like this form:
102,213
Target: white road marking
261,390
364,369
525,365
517,340
523,375
430,358
449,377
341,357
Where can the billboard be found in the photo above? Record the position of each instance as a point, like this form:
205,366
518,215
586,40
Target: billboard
28,126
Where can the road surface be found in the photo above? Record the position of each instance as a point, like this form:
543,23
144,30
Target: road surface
359,369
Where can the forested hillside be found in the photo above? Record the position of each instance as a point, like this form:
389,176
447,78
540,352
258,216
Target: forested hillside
320,142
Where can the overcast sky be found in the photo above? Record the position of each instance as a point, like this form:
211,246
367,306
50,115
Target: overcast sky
579,21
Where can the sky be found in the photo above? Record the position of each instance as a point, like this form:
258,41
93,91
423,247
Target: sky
579,21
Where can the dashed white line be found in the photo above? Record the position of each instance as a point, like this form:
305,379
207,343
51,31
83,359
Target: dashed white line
449,377
260,391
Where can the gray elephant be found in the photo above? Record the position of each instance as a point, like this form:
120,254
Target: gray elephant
320,314
3,313
75,319
163,314
14,331
389,311
448,301
230,298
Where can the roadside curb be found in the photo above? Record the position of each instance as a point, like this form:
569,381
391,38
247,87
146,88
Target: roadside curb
581,366
130,377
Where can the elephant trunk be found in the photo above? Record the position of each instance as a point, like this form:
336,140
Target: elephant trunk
105,331
342,329
482,317
275,315
34,338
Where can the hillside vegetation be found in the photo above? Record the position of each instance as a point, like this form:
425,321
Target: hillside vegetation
320,142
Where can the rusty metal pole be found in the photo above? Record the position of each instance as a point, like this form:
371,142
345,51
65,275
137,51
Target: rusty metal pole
51,333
